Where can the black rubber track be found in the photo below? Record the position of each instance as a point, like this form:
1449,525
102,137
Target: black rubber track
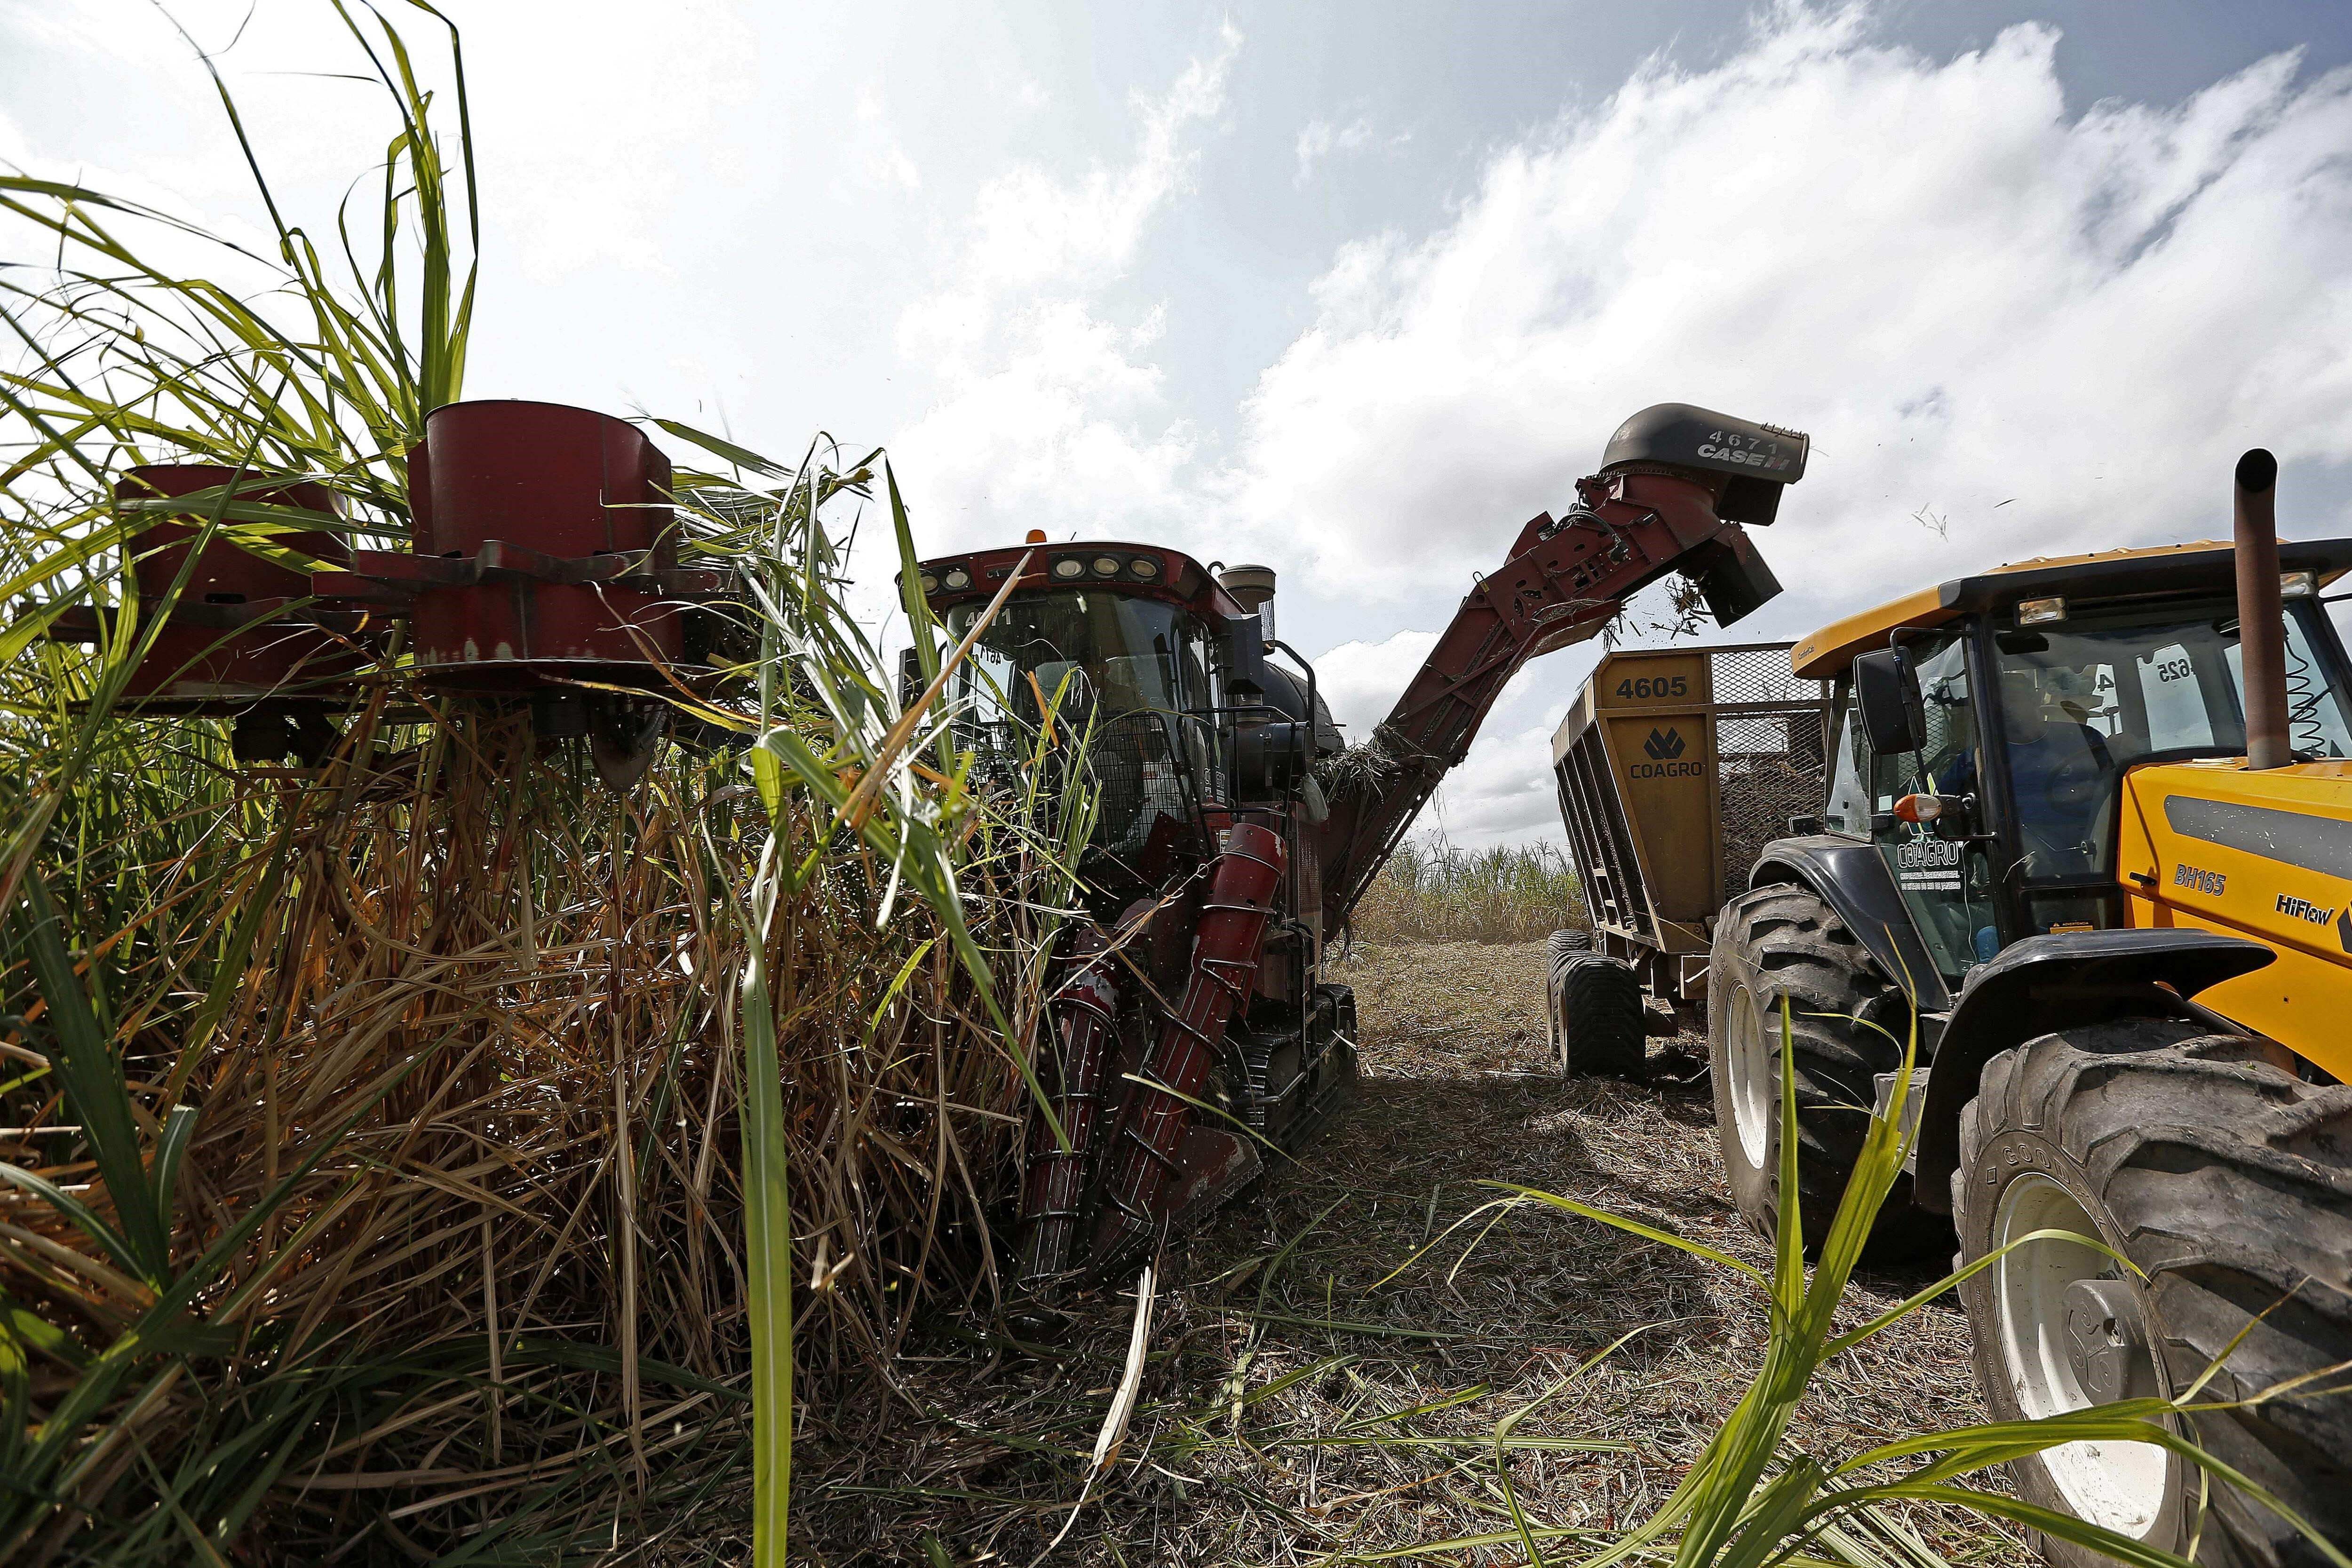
1596,1005
2229,1180
1792,944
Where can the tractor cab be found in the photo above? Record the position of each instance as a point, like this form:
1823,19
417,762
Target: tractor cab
1983,726
1170,671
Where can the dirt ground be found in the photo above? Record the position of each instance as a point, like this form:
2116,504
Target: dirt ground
1301,1405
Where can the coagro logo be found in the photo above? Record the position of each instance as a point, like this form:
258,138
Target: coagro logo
1665,747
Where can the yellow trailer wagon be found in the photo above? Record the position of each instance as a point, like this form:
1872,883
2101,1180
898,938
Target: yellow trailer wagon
1674,768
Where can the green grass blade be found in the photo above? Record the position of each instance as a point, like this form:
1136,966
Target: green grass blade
95,1090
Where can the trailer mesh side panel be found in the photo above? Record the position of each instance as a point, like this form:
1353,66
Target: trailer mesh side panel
1769,755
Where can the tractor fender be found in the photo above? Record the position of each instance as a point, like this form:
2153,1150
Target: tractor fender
1852,877
2060,982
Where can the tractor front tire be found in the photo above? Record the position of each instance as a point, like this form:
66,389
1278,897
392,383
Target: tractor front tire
2227,1180
1595,1006
1846,1021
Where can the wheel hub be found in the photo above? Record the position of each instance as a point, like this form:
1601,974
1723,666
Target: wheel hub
1754,1084
2106,1344
2073,1334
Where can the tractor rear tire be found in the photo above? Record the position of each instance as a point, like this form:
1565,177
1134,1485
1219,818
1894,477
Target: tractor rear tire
1784,940
2207,1161
1596,1012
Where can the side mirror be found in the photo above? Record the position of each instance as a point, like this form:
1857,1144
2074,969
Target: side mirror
910,678
1242,641
1887,691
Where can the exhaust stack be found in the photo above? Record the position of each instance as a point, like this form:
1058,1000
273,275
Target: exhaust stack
2261,643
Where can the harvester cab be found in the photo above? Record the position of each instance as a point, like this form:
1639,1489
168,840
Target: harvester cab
1190,706
1231,841
2087,826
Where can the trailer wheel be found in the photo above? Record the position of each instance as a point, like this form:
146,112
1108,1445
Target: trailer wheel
2228,1181
1561,944
1596,1012
1558,948
1785,941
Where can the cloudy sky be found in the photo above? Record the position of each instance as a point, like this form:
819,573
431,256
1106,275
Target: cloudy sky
1354,290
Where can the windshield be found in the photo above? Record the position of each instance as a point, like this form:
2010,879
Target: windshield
1131,669
2084,698
1124,654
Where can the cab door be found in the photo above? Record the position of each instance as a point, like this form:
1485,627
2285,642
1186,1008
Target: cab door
1945,883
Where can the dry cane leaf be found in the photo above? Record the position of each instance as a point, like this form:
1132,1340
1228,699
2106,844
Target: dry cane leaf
1113,1435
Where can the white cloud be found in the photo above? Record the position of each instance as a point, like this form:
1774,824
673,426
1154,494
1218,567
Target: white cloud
612,118
1361,681
1318,139
1050,413
885,162
587,138
1969,297
1498,794
1965,294
1502,793
1064,424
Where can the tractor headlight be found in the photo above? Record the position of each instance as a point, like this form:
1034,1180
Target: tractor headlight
2298,585
2037,612
958,578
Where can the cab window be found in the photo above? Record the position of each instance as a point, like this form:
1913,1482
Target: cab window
1848,804
2083,698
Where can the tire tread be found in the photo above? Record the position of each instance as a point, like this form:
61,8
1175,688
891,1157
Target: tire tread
2229,1180
1599,1028
1847,1023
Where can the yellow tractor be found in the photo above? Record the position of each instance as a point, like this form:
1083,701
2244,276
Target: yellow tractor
2088,825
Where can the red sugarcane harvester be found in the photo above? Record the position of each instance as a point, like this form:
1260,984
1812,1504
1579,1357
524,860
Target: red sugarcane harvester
1193,1023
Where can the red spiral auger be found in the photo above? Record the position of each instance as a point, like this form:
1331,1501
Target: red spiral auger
1143,1157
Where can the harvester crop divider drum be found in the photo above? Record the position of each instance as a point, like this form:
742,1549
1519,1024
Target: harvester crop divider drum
239,640
543,567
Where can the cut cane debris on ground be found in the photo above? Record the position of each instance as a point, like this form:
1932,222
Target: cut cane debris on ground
1297,1409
